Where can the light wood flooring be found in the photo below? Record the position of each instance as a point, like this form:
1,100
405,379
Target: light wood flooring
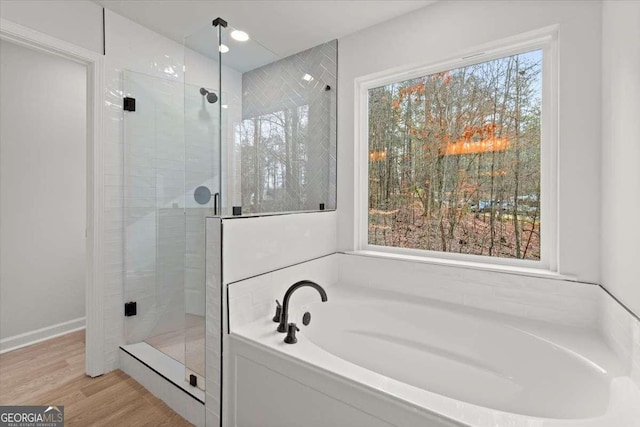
52,373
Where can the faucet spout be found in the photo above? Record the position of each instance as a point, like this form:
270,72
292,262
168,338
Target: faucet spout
284,315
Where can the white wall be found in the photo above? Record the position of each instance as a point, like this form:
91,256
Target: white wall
621,151
42,190
129,46
441,30
78,22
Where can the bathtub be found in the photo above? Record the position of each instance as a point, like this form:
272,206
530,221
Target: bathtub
390,359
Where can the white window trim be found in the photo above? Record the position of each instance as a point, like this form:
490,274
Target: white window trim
545,39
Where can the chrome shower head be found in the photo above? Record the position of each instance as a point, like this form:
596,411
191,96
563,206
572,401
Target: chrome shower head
212,98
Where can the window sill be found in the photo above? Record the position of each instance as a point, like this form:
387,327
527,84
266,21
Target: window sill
505,269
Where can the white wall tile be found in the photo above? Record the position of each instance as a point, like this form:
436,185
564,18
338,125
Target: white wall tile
256,245
195,412
214,316
548,300
537,298
213,419
175,398
254,298
621,331
635,354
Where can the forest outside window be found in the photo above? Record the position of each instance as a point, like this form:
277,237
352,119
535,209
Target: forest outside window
455,160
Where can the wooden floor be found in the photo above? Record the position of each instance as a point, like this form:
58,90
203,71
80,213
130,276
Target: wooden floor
52,373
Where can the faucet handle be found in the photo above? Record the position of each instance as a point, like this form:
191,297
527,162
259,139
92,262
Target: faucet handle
291,334
276,318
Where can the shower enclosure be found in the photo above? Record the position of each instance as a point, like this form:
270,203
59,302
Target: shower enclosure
232,128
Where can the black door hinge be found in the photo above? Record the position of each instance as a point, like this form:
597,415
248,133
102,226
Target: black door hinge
129,104
130,308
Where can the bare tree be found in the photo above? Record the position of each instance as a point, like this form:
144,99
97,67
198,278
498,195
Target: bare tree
454,160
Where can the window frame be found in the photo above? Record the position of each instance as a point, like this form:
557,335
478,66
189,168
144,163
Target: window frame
545,39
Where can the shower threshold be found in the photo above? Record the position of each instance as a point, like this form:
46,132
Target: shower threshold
164,366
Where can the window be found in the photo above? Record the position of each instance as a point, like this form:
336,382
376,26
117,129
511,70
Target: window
455,160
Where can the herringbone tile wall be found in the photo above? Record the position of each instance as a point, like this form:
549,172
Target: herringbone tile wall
287,138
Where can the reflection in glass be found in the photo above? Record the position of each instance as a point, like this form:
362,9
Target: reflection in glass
286,139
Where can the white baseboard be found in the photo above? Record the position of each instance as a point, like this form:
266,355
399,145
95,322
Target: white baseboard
18,341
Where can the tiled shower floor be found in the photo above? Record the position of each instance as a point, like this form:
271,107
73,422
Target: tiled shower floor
186,346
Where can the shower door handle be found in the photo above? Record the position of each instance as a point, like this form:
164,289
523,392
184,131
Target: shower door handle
215,203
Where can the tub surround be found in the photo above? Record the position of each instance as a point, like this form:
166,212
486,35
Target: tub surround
550,300
253,299
259,244
314,397
253,247
587,338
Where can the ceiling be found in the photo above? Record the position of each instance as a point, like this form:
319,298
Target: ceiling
283,26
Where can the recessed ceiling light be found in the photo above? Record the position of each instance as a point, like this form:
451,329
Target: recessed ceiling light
307,77
225,106
240,36
224,48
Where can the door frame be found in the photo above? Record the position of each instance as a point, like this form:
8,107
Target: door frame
94,308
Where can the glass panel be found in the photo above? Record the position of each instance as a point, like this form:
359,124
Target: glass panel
278,123
261,132
154,212
202,174
202,109
285,140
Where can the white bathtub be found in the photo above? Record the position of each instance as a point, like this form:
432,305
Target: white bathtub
444,364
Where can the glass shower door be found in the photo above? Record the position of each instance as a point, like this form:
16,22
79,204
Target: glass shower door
171,184
154,212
